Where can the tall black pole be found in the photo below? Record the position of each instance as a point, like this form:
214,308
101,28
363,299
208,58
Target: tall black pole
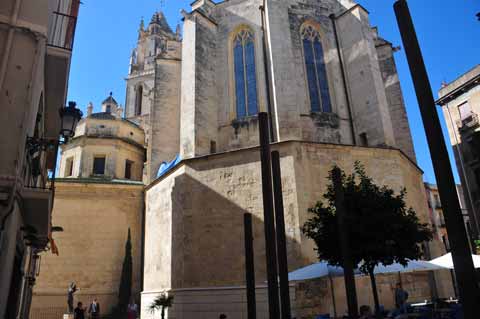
268,216
281,237
249,266
462,259
343,237
268,83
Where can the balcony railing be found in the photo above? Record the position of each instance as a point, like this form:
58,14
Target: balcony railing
469,122
63,23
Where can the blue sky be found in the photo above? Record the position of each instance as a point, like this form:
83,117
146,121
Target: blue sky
107,32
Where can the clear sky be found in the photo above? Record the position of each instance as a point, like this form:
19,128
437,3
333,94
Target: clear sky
106,33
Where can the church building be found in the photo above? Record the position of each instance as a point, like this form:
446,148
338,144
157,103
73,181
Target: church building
330,85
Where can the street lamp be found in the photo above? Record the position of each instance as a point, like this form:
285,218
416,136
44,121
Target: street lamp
70,116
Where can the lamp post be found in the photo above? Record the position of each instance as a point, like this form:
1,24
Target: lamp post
469,290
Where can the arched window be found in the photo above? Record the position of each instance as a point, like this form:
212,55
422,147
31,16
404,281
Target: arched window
138,100
316,70
245,74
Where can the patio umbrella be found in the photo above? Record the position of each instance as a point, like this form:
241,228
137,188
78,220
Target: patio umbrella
446,261
317,270
412,266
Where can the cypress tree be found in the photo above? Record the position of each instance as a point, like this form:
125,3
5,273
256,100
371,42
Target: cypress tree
125,289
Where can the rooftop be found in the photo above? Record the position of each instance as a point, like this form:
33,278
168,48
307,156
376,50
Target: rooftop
459,85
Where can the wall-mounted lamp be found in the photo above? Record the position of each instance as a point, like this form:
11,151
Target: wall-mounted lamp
70,116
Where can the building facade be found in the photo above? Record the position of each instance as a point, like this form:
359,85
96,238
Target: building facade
99,204
460,102
36,40
438,219
333,98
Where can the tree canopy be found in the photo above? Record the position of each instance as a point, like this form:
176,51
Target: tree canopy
382,230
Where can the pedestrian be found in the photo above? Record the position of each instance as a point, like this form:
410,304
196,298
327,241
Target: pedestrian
94,309
132,310
365,312
79,312
401,297
223,316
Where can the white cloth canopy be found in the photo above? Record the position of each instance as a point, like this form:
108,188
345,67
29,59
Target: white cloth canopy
317,270
413,265
323,269
446,261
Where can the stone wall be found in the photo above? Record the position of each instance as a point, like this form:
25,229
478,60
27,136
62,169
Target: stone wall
95,219
398,112
164,134
196,212
209,122
327,296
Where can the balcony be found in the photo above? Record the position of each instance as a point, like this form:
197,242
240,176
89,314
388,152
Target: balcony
61,34
37,207
62,25
468,123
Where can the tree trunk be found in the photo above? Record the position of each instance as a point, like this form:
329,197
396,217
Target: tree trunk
375,294
163,312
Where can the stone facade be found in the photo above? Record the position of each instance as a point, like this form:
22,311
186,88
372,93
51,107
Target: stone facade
96,205
460,101
95,217
108,136
36,39
196,212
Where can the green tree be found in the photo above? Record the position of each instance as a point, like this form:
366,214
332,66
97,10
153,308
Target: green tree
125,289
382,230
162,302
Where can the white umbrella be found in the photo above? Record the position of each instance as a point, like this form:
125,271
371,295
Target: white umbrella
446,261
413,265
317,270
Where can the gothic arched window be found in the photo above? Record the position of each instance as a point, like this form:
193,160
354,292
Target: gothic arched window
245,74
316,70
138,100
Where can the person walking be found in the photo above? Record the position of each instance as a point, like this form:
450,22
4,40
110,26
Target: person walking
366,312
132,310
94,309
79,312
401,297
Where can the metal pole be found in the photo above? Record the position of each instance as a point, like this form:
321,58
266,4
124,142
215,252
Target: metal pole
343,238
344,79
267,70
462,259
249,266
281,237
268,216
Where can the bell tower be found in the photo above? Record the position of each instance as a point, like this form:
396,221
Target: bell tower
153,90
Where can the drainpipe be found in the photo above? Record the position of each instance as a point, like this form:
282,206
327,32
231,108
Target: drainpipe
344,78
269,82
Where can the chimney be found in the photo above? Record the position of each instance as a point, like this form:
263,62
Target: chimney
89,109
119,112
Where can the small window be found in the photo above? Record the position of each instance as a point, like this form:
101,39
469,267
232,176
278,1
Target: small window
213,147
477,177
465,111
99,165
363,139
138,100
109,109
128,169
69,167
